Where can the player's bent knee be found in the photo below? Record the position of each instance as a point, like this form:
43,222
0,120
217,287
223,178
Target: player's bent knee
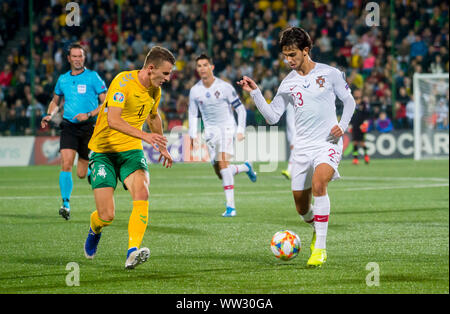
222,165
106,216
141,193
319,188
66,167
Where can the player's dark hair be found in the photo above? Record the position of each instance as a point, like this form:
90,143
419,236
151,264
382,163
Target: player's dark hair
204,57
76,46
158,55
295,37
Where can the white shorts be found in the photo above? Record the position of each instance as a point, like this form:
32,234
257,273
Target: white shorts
305,162
219,140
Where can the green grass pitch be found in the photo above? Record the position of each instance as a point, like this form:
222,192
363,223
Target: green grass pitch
394,213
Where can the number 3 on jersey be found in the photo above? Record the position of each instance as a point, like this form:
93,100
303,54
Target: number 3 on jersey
298,100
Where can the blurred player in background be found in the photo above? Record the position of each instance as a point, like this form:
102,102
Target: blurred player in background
359,126
290,134
216,100
117,151
311,88
81,89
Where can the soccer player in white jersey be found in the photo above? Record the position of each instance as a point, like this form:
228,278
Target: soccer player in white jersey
216,100
311,88
290,134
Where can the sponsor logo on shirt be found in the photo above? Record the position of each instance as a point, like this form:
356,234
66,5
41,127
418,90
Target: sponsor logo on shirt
306,84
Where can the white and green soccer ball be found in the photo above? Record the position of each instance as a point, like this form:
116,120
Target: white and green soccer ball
285,245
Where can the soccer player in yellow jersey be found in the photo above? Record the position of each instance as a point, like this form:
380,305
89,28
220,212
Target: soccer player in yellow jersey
117,153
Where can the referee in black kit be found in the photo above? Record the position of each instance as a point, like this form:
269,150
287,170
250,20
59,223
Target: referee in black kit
82,89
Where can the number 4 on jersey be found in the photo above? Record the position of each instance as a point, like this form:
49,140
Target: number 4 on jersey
141,111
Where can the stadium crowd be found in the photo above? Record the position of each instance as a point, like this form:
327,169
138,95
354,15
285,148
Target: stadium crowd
244,42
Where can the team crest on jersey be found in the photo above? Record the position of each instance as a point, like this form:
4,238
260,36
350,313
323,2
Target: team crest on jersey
118,97
217,94
320,80
101,172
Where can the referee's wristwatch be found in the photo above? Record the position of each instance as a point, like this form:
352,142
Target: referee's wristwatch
89,114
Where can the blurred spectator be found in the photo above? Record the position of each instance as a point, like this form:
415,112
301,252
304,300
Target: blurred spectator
442,115
400,115
368,64
269,81
4,121
410,111
138,44
244,39
418,47
383,124
437,66
6,76
324,41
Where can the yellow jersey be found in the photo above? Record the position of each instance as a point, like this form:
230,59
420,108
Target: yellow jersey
136,101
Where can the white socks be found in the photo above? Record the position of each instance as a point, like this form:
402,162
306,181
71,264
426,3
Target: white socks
228,185
236,169
228,181
321,210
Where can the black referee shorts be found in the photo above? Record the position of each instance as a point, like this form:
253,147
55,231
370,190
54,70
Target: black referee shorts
76,136
357,135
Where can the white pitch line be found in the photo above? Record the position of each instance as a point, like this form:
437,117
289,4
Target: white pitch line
199,184
345,178
284,191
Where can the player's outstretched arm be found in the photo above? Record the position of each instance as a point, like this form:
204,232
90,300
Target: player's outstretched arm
271,112
155,124
116,122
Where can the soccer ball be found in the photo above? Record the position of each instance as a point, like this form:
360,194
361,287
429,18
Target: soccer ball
285,245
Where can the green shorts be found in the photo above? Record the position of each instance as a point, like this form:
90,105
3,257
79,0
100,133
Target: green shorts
108,167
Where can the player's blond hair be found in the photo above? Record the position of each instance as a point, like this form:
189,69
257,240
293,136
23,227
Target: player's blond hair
158,55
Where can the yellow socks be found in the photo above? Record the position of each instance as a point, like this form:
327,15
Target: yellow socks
97,224
137,223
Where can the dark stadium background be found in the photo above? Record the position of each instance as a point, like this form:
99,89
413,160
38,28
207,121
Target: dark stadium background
241,36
